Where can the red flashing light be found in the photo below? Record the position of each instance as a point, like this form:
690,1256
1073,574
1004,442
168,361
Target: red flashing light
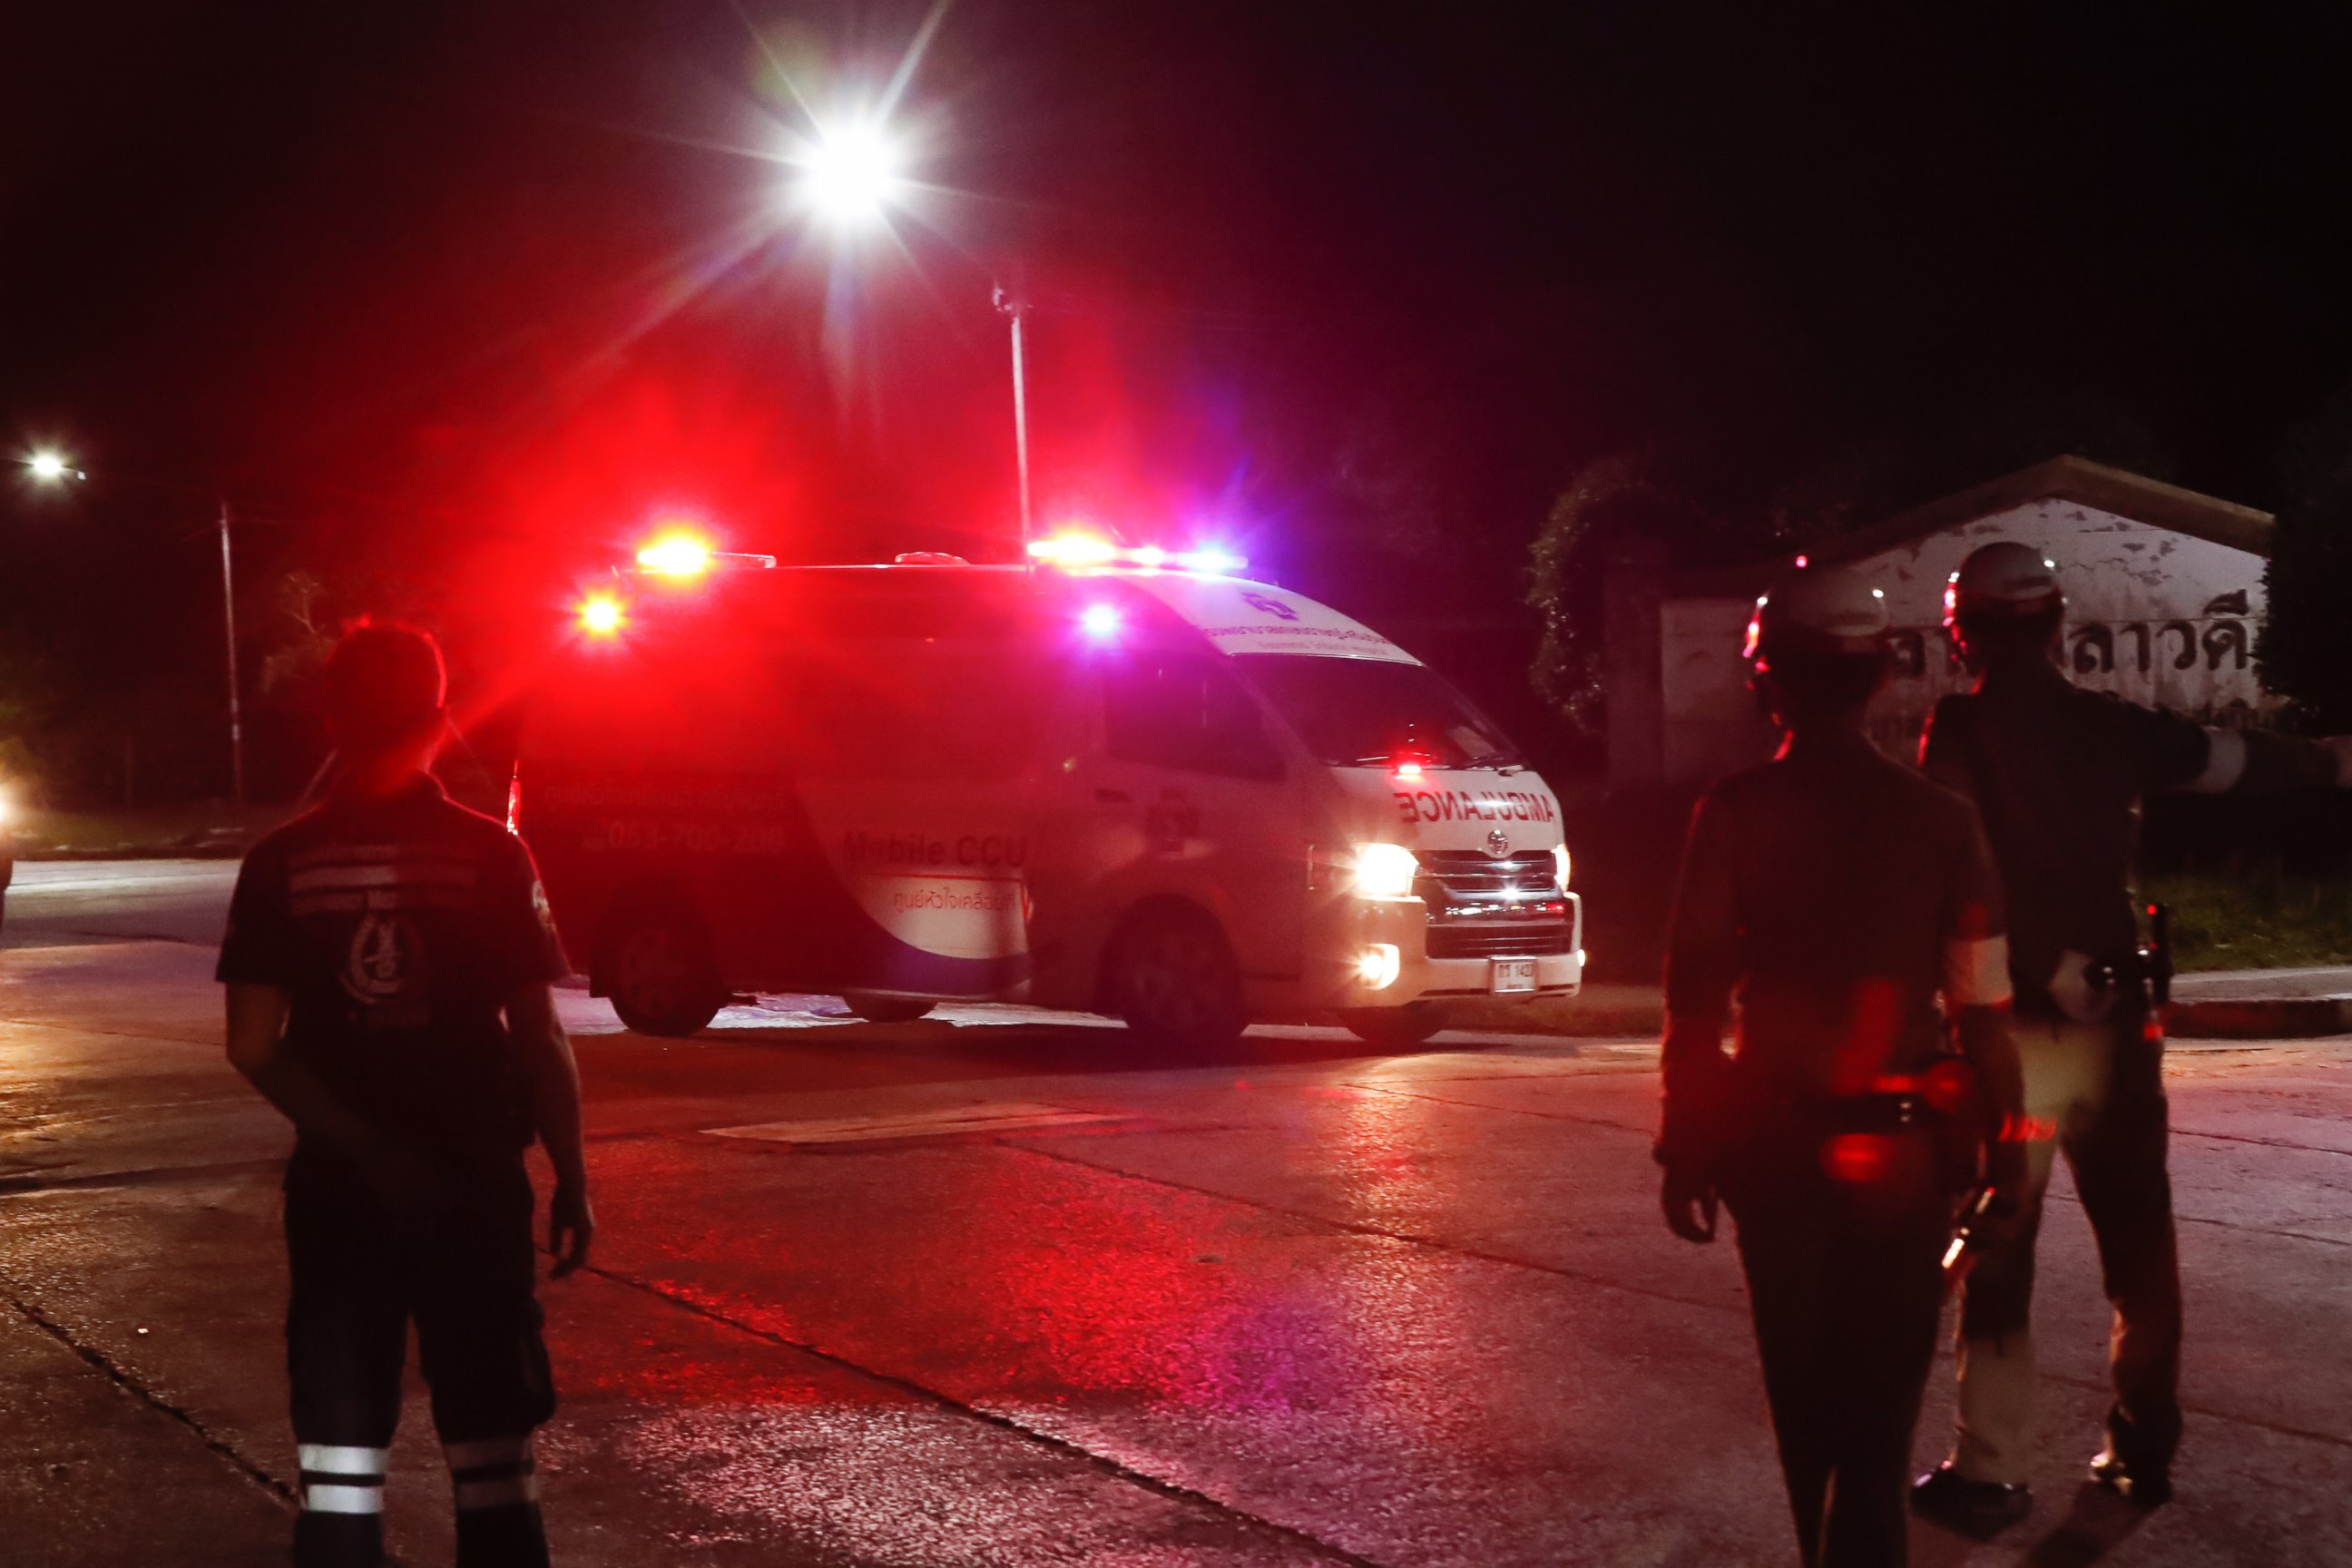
1080,549
1408,770
1075,547
676,554
601,616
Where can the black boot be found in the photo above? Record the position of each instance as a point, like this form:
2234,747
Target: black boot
1981,1510
2142,1484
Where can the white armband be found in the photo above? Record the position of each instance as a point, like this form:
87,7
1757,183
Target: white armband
1976,972
2225,763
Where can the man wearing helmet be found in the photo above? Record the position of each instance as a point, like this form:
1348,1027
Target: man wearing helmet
1852,907
2058,774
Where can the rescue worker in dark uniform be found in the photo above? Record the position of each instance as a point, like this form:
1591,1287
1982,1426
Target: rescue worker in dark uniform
388,961
2058,774
1852,907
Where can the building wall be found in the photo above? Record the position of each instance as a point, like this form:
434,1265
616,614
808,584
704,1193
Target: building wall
2156,616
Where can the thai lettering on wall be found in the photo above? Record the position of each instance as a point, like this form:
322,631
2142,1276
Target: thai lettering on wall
2154,616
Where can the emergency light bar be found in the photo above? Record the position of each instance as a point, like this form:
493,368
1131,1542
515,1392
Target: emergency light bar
680,554
1076,549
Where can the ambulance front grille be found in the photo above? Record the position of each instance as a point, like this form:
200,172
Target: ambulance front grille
1470,876
1535,939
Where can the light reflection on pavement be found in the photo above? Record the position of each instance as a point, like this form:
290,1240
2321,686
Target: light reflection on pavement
1297,1304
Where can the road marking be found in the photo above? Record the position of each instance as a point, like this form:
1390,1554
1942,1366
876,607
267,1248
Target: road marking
1003,1116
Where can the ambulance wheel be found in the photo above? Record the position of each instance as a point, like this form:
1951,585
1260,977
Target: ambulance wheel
660,975
1172,976
1399,1029
877,1009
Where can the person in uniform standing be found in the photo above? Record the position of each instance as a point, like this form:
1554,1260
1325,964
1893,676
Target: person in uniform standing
1852,906
2058,774
388,961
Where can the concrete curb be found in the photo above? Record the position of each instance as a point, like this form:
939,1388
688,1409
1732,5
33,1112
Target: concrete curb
2259,1018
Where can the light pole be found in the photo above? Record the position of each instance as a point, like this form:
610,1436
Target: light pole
235,704
1015,308
51,469
851,177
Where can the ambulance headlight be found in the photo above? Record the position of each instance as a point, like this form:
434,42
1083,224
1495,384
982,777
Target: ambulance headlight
1559,864
1385,870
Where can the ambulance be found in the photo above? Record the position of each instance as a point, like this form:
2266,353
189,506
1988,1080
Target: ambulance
1119,781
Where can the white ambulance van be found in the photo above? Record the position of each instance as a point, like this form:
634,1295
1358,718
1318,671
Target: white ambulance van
1180,798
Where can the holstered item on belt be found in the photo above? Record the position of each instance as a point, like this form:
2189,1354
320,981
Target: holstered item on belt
1801,1127
1945,1101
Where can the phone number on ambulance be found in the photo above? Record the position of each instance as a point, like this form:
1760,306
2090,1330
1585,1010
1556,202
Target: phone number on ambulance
622,835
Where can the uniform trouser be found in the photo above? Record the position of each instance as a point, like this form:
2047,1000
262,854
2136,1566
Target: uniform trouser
2102,1086
466,1281
1845,1277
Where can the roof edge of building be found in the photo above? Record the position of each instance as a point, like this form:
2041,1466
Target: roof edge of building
2062,478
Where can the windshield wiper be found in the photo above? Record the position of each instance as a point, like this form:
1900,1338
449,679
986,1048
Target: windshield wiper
1501,762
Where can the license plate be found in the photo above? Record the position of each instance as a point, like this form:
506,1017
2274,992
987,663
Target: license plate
1513,974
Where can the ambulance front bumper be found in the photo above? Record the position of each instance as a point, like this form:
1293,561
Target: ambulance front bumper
1439,960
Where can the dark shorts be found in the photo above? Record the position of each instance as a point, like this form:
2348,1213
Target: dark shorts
467,1281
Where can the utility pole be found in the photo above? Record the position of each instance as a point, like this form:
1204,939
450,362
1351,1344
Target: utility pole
235,708
1014,306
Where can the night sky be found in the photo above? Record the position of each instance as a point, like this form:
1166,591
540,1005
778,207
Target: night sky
450,300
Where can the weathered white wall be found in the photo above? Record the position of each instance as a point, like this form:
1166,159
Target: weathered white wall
2160,617
1711,724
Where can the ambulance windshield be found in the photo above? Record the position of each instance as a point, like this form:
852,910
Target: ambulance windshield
1366,712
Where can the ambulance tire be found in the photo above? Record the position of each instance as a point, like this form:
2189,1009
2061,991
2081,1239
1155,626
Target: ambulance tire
878,1009
1172,976
1398,1029
659,972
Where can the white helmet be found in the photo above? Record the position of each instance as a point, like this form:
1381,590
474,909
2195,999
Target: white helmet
1817,612
2003,581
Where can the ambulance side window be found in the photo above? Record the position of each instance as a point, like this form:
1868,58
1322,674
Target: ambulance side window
1184,711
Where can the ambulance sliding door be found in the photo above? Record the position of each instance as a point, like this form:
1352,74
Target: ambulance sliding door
922,711
1184,793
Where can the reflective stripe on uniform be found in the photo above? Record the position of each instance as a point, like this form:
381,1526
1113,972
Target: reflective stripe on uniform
436,870
1976,971
2225,763
502,1493
341,1459
479,1453
322,1497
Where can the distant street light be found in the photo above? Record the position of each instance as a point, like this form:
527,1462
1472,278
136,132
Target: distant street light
50,468
850,180
853,174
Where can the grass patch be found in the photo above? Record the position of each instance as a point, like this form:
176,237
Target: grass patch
2239,922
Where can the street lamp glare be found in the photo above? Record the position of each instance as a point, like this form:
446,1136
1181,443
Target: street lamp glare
50,467
853,173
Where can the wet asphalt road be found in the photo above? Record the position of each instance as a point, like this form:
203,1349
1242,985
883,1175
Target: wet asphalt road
66,901
992,1290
